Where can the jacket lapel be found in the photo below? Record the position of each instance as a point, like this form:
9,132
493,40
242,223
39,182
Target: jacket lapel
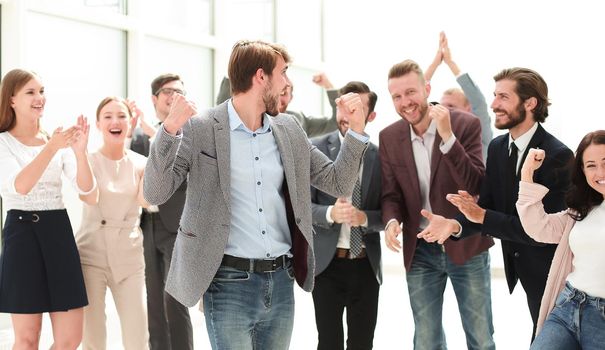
223,156
366,176
404,154
333,145
435,157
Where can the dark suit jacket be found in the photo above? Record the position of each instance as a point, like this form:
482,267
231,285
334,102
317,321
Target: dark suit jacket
516,244
172,209
460,169
326,234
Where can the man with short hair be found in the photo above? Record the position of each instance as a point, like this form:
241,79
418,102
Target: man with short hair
430,152
520,105
169,321
348,270
246,230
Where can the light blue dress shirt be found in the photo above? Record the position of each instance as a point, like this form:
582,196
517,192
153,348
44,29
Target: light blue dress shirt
259,226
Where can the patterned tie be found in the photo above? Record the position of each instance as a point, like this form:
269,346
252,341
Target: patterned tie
355,242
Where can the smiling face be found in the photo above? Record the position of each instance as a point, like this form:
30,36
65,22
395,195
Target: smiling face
113,122
409,96
593,162
277,82
284,99
29,101
507,106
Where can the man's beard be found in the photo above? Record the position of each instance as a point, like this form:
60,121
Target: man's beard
514,119
271,101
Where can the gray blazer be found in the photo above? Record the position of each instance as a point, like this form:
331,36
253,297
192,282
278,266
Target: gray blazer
201,153
326,234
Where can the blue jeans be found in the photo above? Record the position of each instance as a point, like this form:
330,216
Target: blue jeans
426,281
576,322
249,310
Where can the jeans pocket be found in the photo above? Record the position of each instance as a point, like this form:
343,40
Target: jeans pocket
563,297
227,274
290,271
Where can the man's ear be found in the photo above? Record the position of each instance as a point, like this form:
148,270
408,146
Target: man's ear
154,100
427,87
260,75
530,104
370,117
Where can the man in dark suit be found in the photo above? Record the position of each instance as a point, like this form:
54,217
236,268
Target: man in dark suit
433,151
520,105
346,277
169,321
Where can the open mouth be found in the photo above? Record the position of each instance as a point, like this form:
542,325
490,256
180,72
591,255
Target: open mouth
115,131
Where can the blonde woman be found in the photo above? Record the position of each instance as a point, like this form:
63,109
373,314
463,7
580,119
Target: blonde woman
109,240
39,264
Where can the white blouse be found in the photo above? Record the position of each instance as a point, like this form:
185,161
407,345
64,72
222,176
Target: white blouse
586,241
46,194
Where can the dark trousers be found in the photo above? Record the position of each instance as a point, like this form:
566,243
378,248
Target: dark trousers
534,283
169,321
350,284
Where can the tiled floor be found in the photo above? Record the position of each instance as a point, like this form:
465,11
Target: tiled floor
395,328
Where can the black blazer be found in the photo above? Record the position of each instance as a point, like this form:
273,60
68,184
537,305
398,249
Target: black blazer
172,209
326,235
555,173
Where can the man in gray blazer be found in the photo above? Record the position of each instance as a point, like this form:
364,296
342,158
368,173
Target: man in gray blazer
169,321
246,233
348,276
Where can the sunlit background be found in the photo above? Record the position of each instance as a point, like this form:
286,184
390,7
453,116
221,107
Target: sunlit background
88,49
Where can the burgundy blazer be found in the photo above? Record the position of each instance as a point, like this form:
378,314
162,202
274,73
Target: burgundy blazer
460,169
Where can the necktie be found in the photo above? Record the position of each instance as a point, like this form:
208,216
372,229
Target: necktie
355,242
511,171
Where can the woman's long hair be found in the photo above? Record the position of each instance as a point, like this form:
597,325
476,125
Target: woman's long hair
13,81
581,198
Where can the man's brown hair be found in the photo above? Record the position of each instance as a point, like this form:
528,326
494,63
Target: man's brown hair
402,68
247,57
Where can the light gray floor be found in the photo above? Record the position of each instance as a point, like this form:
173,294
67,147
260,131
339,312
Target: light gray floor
395,328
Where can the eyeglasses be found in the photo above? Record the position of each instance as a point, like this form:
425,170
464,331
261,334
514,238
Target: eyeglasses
170,91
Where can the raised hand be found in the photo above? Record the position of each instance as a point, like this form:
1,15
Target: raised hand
533,161
80,144
351,105
181,110
391,233
322,80
441,115
439,228
467,206
62,138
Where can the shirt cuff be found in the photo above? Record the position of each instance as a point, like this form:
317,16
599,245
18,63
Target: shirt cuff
365,223
329,215
388,223
84,193
360,137
179,133
445,147
457,235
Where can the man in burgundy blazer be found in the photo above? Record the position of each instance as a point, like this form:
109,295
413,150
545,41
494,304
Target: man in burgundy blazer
431,152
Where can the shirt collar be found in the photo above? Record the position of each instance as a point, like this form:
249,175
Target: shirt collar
235,121
523,141
430,131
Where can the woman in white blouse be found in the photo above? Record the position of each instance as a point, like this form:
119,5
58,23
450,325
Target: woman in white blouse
572,315
110,240
39,265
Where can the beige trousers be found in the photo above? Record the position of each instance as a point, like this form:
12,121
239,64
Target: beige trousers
129,298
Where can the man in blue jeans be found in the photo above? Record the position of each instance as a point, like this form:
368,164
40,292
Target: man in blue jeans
246,230
430,152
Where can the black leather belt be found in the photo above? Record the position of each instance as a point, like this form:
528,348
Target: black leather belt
255,265
342,253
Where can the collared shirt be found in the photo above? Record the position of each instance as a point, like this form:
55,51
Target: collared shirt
422,147
522,142
259,227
